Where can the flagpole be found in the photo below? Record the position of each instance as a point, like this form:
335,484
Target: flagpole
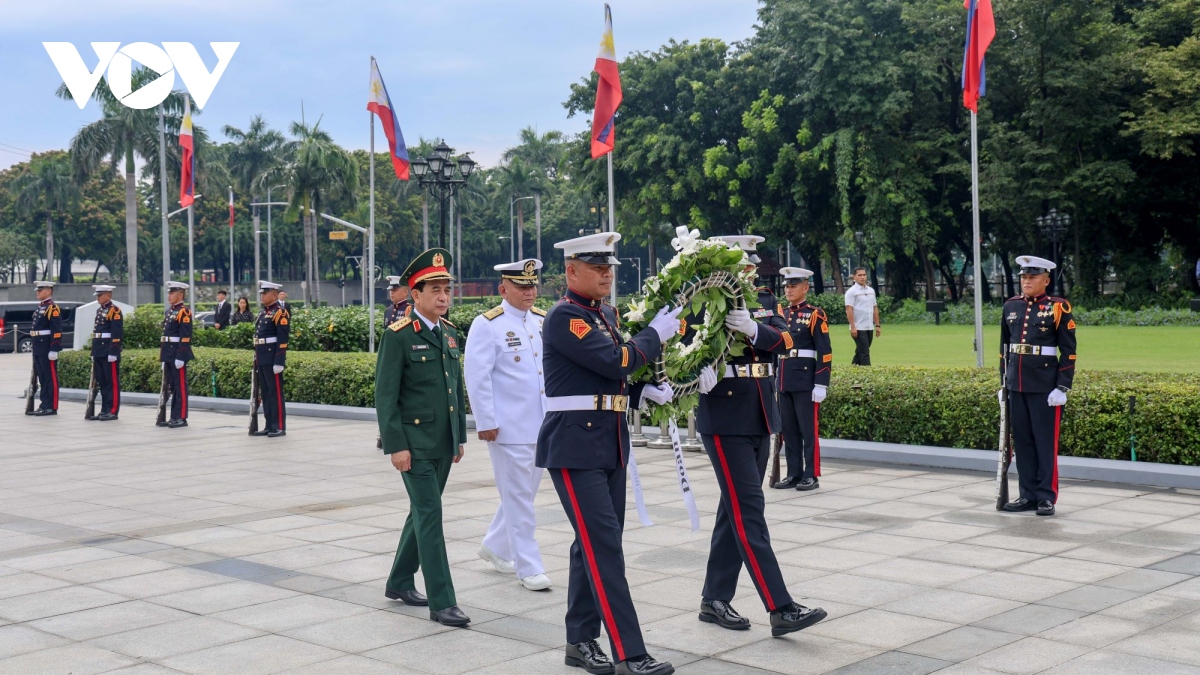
371,237
975,234
191,274
612,218
231,279
166,232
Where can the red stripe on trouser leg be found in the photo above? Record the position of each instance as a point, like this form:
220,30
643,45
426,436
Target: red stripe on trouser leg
593,571
736,507
279,400
116,390
183,392
1057,429
817,440
54,381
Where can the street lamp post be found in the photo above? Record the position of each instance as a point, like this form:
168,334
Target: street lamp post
191,273
1054,225
437,175
512,255
368,277
267,204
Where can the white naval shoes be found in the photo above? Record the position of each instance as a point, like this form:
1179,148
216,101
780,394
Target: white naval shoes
502,566
537,582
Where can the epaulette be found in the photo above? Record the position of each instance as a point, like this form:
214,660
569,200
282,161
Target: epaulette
400,324
537,311
280,315
493,312
1066,304
447,322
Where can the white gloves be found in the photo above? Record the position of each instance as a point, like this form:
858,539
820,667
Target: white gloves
112,359
666,322
178,364
277,369
818,393
1057,397
1000,396
739,320
53,356
659,393
708,379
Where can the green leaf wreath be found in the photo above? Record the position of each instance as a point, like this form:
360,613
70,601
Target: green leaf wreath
708,277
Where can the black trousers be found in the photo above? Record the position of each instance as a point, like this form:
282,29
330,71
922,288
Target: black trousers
594,500
108,381
271,385
862,348
1035,430
740,534
47,374
177,390
801,421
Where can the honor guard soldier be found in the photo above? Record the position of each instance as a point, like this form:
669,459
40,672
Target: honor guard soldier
401,306
421,408
175,351
107,334
735,419
803,378
1037,366
270,357
508,392
585,445
47,342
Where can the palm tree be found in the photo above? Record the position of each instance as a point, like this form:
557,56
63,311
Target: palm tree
121,135
47,185
256,150
519,179
545,152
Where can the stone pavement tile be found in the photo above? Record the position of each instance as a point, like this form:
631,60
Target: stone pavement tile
928,529
879,492
302,583
193,537
856,590
647,613
20,639
794,575
1181,509
549,661
1089,598
1120,554
1179,535
1188,622
1010,540
806,533
685,632
858,519
1067,569
800,654
382,542
58,601
893,662
963,669
24,541
366,631
161,583
332,532
1028,655
144,669
1184,564
961,644
1103,662
1189,589
1030,619
93,623
76,659
1154,608
903,509
1095,630
878,628
294,612
356,570
1166,643
969,555
885,544
513,598
260,655
301,557
72,556
351,665
246,546
1011,586
24,583
181,556
221,597
456,651
829,559
100,570
1145,581
528,630
953,606
920,572
718,667
279,524
1115,515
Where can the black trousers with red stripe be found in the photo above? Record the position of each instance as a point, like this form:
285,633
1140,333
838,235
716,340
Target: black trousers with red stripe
108,380
1035,430
799,416
740,534
177,390
47,373
272,398
594,500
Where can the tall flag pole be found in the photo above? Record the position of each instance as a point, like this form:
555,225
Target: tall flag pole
981,30
608,99
187,188
380,103
231,279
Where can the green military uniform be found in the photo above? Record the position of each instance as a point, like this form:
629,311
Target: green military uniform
421,407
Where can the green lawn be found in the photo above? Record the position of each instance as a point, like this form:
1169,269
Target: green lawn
1160,348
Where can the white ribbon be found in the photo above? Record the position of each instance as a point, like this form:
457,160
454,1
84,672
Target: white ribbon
638,497
685,487
684,237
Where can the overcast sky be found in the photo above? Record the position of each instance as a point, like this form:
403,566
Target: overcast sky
472,71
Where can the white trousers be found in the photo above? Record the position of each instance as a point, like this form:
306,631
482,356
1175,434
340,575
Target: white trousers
511,533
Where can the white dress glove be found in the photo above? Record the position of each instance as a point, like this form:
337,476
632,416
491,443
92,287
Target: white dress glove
708,379
277,369
53,356
659,393
739,320
818,393
1000,395
178,364
1056,398
112,359
666,322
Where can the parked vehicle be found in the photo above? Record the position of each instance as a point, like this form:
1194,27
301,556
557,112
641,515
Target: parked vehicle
16,320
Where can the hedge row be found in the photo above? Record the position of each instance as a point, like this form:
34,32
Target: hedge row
963,313
947,407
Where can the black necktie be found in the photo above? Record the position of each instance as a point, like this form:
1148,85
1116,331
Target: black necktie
437,332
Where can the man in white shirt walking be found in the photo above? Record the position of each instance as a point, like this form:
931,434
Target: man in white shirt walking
508,392
863,314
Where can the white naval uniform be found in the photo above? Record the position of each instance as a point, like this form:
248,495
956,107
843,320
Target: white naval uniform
508,391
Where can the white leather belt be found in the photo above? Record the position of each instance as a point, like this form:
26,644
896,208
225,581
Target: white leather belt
1032,350
169,339
750,370
800,353
103,336
264,341
39,332
613,402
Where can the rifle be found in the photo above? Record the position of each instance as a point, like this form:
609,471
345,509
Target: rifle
33,385
255,396
162,398
1005,454
777,447
93,388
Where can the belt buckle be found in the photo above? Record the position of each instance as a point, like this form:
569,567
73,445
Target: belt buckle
1023,350
620,404
759,370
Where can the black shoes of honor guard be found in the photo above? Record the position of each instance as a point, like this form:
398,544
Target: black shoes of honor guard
722,614
1019,505
1045,508
410,597
277,433
175,424
42,412
808,484
644,665
787,483
589,656
105,417
794,617
451,616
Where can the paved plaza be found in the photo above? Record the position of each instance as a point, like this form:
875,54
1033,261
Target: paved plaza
127,548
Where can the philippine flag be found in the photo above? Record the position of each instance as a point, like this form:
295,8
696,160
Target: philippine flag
608,92
381,104
187,177
981,30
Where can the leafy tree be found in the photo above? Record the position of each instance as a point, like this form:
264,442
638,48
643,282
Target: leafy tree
47,187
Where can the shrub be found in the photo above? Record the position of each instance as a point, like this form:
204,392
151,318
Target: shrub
834,304
963,313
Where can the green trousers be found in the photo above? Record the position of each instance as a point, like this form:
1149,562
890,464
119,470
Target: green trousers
423,544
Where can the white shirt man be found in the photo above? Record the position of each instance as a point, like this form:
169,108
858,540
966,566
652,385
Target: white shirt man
863,314
507,392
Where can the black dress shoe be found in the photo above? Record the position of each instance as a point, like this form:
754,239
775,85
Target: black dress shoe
722,614
30,412
1045,508
786,483
47,411
175,424
106,417
451,616
409,597
589,656
808,484
1019,505
794,617
276,434
162,424
644,665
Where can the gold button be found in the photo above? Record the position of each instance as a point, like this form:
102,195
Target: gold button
449,391
729,393
451,408
589,424
447,374
422,358
416,421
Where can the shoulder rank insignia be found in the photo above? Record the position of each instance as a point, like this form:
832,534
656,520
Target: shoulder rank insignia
579,328
447,322
537,311
493,312
400,324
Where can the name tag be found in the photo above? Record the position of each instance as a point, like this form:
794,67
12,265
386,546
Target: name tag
419,347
